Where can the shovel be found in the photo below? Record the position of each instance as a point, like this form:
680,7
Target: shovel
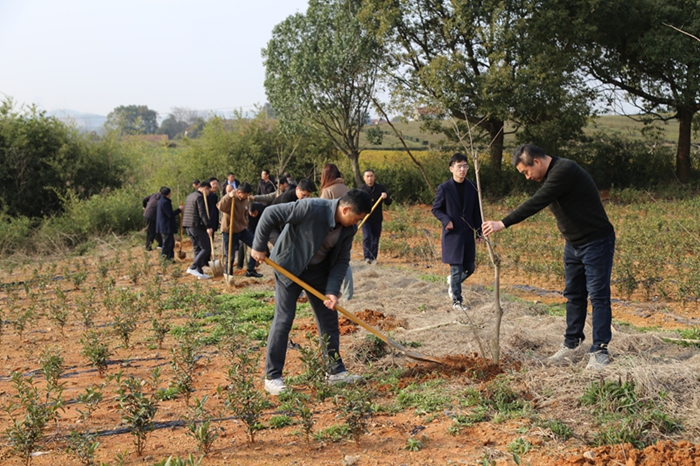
406,352
359,226
215,264
180,253
227,277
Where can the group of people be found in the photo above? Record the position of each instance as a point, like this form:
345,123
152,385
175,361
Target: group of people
572,196
312,239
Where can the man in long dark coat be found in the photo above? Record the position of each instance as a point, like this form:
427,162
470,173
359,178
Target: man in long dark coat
166,223
456,205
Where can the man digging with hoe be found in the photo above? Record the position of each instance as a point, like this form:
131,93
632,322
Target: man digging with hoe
314,245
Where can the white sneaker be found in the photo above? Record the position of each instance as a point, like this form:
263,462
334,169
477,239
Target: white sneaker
343,377
203,276
194,272
275,386
457,305
597,361
449,287
563,353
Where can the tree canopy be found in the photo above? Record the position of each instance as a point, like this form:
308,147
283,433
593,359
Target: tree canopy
480,61
132,119
630,46
321,72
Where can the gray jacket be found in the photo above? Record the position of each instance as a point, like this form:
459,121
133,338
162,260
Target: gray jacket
304,226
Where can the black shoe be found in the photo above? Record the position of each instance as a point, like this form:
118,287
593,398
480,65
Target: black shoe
253,273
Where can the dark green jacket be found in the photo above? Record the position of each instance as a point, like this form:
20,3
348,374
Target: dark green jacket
304,225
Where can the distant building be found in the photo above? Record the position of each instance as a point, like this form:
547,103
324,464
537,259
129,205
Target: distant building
422,113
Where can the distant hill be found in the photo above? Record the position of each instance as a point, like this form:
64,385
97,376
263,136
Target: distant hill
86,122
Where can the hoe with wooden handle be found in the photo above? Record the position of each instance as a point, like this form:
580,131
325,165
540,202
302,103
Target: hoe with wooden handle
406,352
359,226
227,277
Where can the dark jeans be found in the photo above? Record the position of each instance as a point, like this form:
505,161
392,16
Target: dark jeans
370,239
588,269
459,273
285,310
245,237
168,251
152,235
201,247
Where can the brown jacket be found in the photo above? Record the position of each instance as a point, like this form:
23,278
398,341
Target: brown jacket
240,214
335,190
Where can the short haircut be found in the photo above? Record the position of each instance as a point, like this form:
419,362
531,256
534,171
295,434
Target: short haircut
204,184
256,207
359,201
213,178
282,180
287,175
229,188
367,170
526,153
306,185
196,181
229,173
245,188
164,191
457,157
266,171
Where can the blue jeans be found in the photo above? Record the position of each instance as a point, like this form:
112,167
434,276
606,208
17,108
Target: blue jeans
458,274
587,270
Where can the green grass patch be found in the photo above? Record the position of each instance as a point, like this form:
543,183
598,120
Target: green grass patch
626,417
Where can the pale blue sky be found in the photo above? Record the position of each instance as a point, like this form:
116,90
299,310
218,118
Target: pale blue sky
94,55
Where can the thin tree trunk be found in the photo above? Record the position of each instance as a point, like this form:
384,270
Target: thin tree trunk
497,139
685,120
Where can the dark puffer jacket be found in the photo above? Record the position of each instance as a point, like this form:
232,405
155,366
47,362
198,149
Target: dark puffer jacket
195,215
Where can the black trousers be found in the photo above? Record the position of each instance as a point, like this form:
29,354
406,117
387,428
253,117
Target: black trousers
152,235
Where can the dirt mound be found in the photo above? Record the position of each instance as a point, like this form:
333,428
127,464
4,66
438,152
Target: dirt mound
379,320
472,366
662,453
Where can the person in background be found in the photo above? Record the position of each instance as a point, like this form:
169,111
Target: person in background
372,228
303,190
289,177
212,200
456,205
166,223
333,187
314,245
230,181
267,199
332,183
150,212
240,223
265,185
196,222
573,198
195,184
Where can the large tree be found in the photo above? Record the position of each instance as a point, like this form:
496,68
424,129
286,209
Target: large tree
321,71
132,119
629,45
482,62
